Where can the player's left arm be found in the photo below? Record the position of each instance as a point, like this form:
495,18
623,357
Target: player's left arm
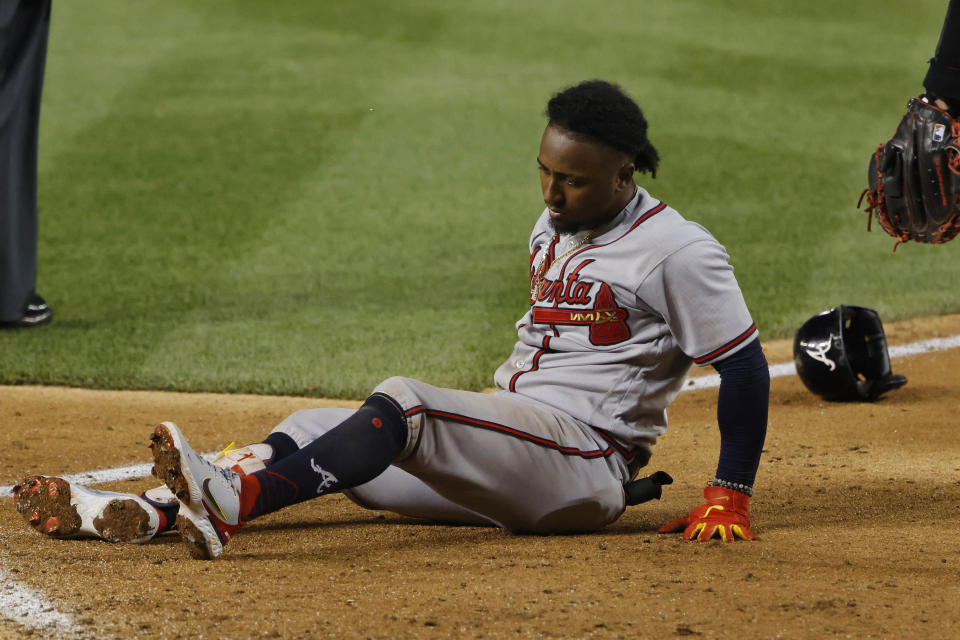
742,406
706,312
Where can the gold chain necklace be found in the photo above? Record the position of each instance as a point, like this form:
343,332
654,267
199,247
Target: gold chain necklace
546,262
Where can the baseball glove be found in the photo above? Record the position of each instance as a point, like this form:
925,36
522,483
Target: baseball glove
914,178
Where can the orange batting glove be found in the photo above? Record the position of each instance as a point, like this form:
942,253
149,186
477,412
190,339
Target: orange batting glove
724,515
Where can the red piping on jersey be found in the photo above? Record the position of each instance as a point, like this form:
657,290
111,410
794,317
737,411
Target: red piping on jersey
552,249
650,213
547,257
510,431
414,411
533,256
643,218
534,365
730,345
629,454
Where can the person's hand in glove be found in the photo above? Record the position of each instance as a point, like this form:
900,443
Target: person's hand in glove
723,515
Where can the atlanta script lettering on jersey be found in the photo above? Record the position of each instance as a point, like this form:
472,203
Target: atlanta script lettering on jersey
607,320
567,291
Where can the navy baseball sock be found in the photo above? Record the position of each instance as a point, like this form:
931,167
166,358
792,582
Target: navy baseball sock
167,511
356,451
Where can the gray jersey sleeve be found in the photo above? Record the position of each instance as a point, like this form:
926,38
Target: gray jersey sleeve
695,292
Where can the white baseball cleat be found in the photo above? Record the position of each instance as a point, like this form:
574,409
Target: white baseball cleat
55,507
209,495
59,508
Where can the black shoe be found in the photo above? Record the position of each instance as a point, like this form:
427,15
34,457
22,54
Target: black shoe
36,313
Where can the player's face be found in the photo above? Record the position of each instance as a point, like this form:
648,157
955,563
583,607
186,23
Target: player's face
585,184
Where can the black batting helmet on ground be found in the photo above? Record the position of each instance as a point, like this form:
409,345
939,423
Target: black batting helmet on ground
841,354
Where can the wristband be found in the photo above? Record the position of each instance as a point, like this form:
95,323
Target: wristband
736,486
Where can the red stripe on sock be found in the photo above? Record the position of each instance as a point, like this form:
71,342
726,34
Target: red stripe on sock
249,492
164,525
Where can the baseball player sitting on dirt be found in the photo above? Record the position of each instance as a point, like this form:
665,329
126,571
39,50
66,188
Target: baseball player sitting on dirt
625,295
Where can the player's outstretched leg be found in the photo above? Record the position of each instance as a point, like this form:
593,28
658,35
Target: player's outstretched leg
61,509
217,502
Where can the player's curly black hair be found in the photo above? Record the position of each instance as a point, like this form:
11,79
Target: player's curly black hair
602,112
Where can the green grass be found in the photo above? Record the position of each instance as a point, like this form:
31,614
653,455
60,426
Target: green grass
306,198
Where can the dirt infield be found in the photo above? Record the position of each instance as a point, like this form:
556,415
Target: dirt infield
857,509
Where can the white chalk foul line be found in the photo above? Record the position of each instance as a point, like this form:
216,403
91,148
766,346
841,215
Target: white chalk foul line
712,380
31,609
925,346
788,369
132,472
701,382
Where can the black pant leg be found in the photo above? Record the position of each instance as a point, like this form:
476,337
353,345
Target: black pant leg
24,27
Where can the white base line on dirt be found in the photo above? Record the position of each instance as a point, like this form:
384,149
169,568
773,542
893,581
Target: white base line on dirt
31,609
788,369
133,472
701,382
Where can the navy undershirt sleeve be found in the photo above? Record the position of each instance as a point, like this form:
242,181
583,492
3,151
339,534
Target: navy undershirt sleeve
943,76
742,413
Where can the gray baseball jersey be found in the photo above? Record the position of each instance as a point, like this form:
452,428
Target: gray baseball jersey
613,329
617,323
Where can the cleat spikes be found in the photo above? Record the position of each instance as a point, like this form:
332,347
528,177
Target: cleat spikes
209,494
54,507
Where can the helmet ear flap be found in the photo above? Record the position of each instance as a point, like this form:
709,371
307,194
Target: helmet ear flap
873,389
866,346
841,354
